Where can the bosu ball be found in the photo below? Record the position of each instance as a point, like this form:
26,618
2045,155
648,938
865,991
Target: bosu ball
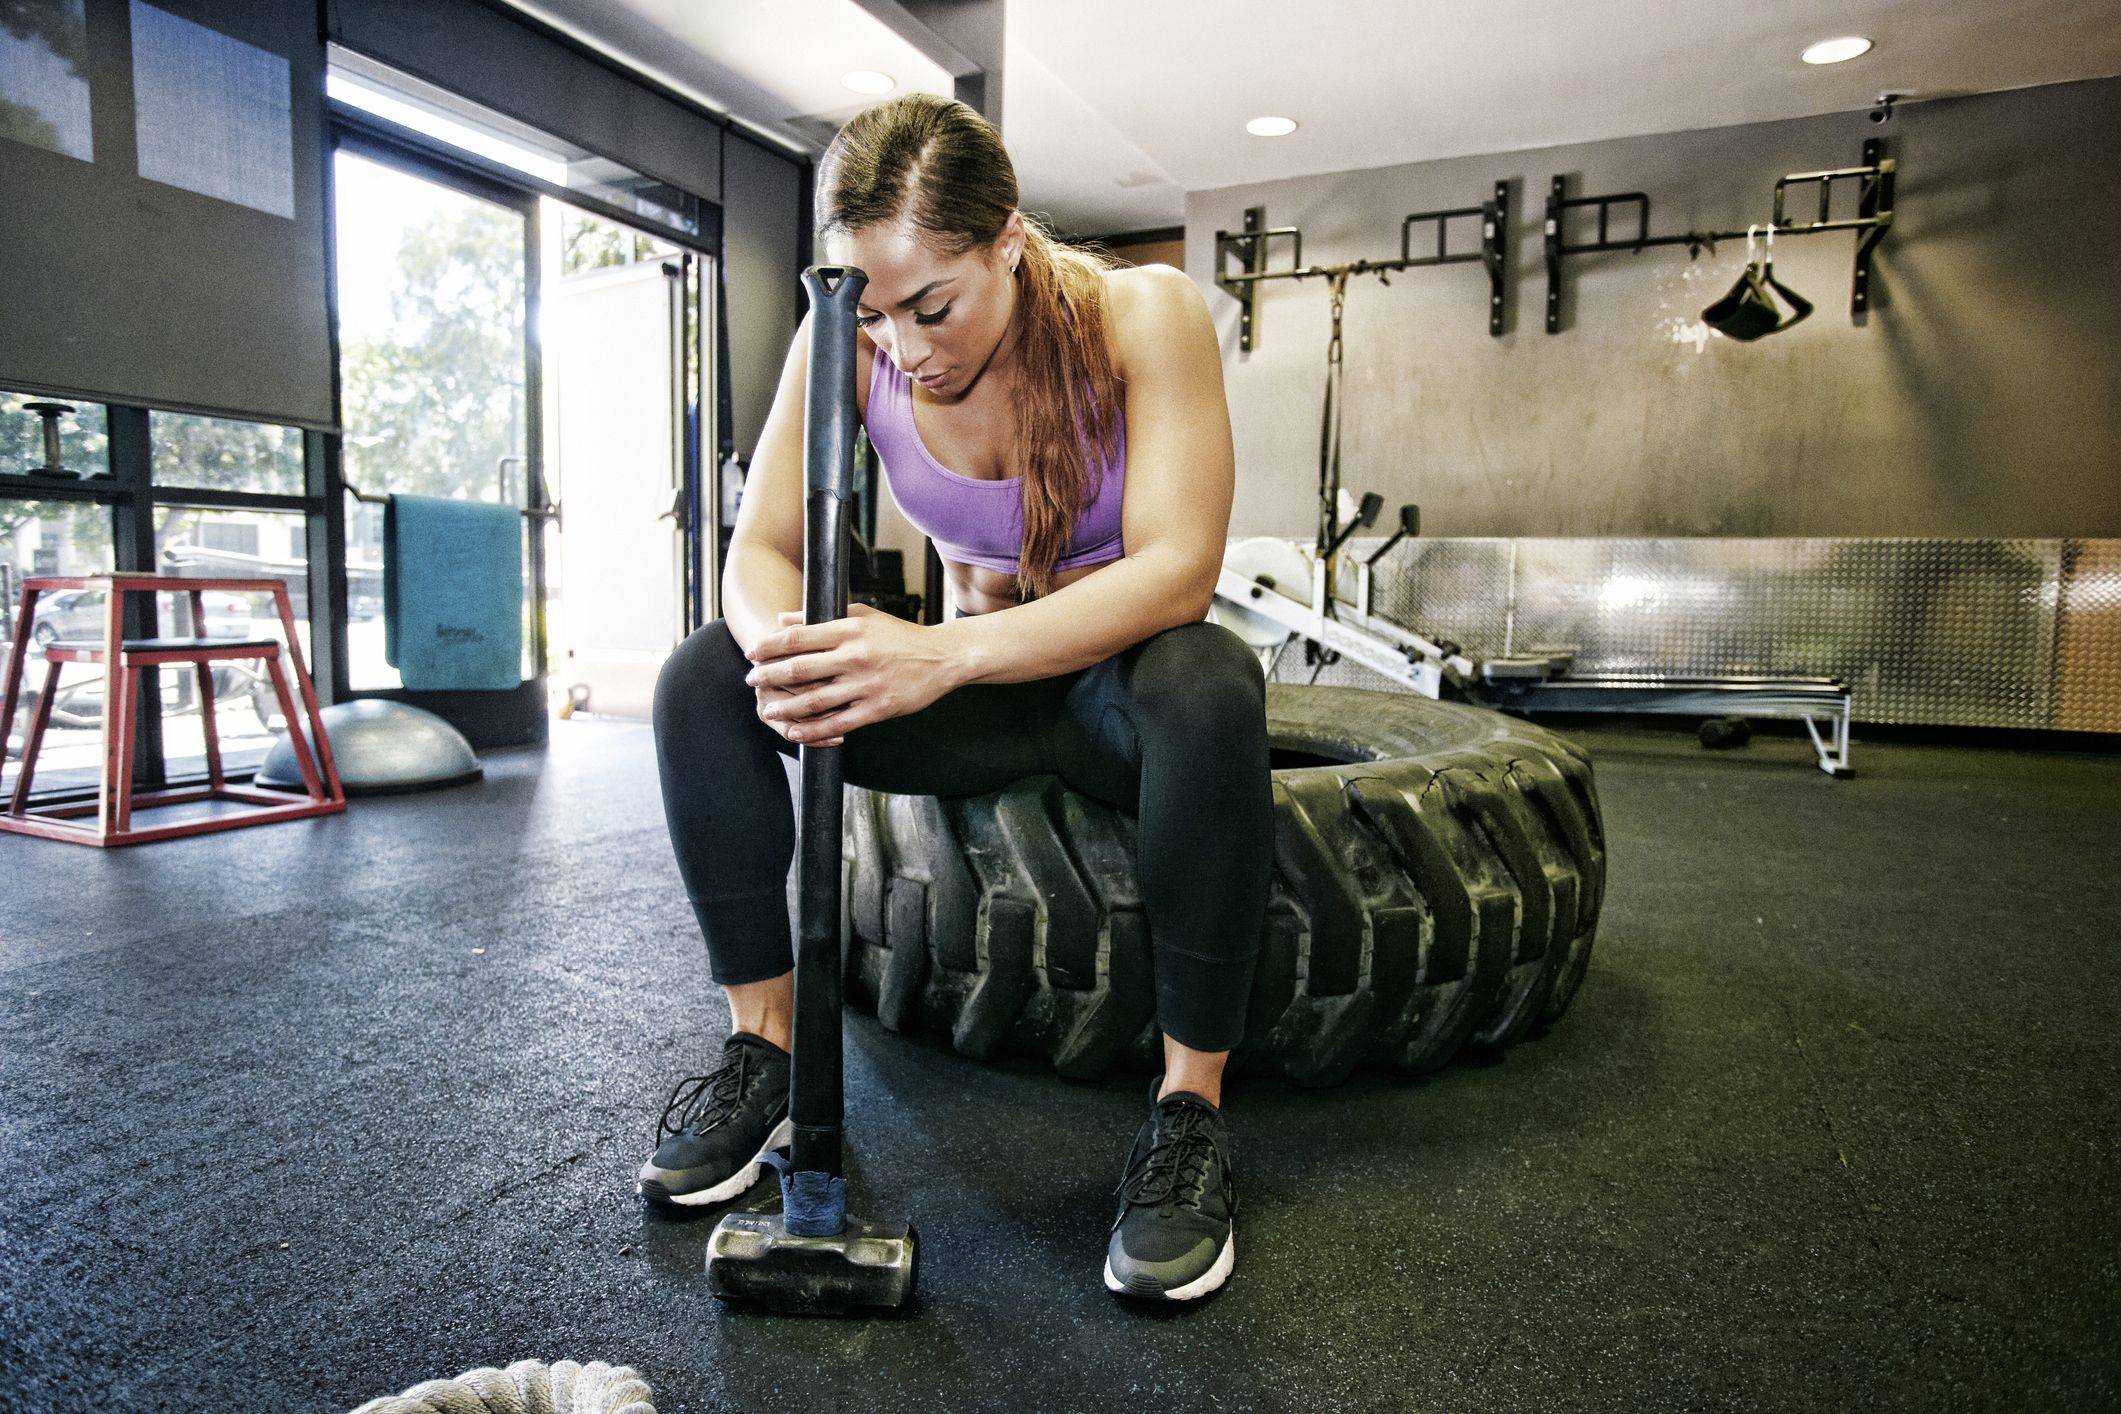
381,748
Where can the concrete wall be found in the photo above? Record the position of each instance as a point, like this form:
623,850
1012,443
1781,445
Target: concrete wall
1979,399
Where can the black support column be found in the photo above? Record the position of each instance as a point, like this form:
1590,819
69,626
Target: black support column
133,552
326,535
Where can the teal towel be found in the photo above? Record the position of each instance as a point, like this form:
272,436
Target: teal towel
453,592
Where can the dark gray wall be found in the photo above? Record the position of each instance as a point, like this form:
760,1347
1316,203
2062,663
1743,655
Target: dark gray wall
1980,399
762,200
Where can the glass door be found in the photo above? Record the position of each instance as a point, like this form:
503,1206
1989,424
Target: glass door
437,283
616,381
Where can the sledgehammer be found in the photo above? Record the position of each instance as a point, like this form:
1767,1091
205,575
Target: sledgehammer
814,1257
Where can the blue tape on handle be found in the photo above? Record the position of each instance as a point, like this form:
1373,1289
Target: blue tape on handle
812,1204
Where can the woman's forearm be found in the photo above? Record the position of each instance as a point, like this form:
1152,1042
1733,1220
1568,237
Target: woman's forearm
758,586
1083,624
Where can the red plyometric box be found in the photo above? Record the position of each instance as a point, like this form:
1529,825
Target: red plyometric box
116,802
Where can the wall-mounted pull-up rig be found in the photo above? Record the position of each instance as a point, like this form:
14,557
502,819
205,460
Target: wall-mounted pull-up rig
1251,244
1874,208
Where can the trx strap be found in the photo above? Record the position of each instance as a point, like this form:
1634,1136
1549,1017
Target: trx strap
1329,437
1329,425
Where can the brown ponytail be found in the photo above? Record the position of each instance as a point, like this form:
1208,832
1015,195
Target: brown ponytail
935,163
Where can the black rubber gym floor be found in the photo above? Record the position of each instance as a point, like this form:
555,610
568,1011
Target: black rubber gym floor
296,1116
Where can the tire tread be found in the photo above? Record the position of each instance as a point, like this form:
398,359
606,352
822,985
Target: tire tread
1438,887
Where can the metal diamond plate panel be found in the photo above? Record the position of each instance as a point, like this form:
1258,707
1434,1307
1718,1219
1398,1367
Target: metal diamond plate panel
1463,588
2088,645
1999,633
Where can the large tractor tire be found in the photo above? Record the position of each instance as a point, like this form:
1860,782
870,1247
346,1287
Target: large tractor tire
1437,876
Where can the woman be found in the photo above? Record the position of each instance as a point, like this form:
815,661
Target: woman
1058,429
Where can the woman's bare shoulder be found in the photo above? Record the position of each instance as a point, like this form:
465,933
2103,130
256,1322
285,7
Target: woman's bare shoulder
864,351
1133,291
1147,307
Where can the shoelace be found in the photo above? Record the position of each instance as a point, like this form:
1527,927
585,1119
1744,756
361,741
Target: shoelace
711,1098
1175,1170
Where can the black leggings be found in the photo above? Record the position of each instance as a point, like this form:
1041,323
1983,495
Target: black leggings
1173,731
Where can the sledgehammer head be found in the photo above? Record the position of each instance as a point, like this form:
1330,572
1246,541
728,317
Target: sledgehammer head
869,1262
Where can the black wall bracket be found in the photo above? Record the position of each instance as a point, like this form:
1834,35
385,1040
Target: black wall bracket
1251,245
1874,215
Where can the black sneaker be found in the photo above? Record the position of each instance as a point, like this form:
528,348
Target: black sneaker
1172,1239
719,1126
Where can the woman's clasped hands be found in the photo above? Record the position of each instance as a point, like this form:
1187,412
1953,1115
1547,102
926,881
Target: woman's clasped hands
818,682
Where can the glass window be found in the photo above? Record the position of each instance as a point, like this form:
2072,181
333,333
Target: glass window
243,539
195,543
432,321
84,437
589,242
215,544
432,312
214,454
55,538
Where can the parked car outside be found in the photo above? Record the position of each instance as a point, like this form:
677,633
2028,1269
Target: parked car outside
70,613
79,614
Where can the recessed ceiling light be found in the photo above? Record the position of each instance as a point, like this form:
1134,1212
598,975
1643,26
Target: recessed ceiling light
1836,51
868,81
1271,127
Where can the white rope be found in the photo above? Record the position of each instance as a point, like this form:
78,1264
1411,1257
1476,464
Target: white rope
526,1387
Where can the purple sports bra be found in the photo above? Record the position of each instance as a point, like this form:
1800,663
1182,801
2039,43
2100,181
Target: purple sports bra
974,521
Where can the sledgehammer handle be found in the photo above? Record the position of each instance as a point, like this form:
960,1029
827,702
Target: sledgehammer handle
816,1098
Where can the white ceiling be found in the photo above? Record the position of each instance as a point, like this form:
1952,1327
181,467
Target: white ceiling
1114,109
